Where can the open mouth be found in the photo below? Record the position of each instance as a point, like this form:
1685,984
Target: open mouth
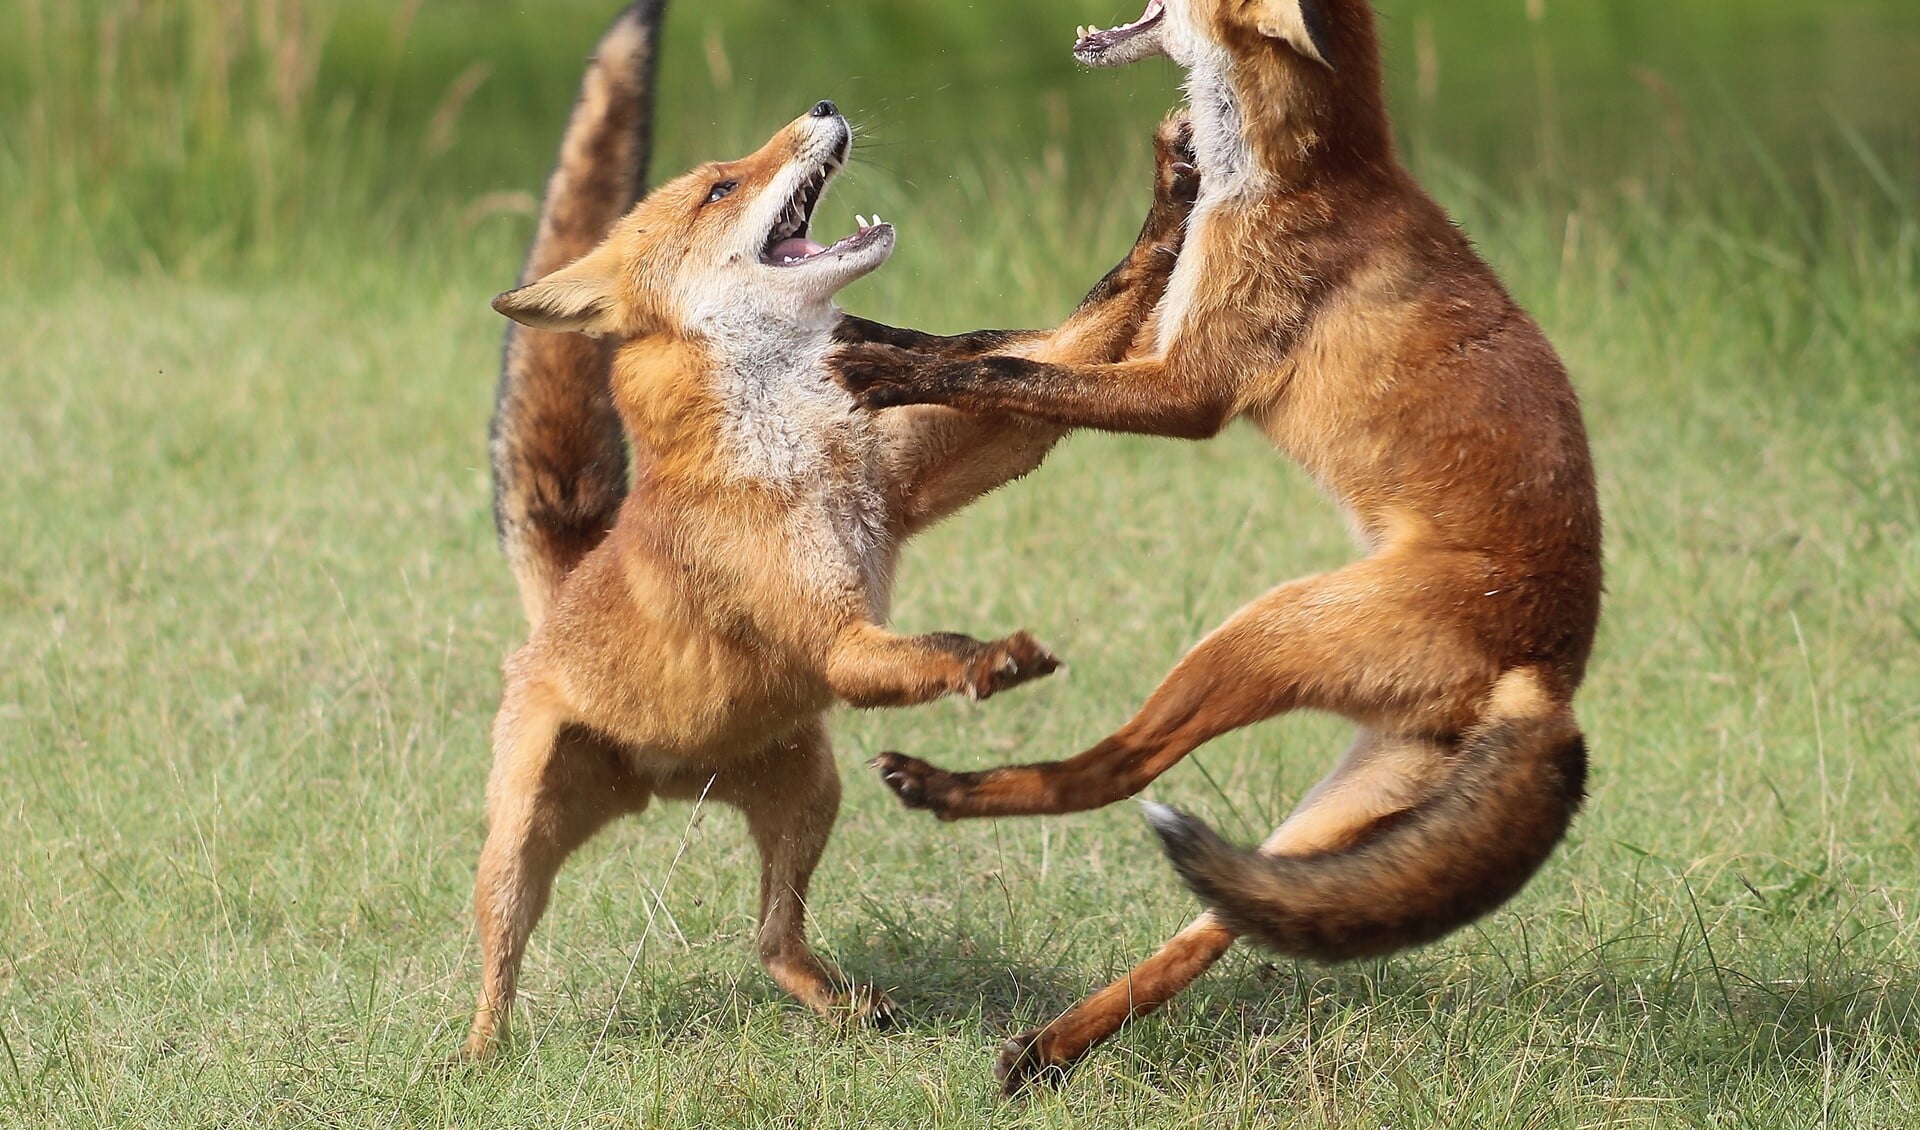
789,245
1093,45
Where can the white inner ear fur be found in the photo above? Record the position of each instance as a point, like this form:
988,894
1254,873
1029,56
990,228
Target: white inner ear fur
1286,21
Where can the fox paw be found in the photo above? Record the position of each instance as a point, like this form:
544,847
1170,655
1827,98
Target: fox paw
872,1008
1175,164
1173,139
880,375
458,1065
920,785
1005,664
1023,1062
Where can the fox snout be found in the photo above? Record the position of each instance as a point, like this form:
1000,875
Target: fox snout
821,134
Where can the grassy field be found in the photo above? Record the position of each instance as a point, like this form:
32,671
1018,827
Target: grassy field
252,615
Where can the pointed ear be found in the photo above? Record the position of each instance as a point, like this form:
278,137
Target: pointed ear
575,299
1301,24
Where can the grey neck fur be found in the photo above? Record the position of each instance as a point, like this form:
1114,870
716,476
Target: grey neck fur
781,406
1219,140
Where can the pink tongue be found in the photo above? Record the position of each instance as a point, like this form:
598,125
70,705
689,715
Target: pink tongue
795,249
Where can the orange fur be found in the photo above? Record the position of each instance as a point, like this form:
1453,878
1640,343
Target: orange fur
693,651
1323,297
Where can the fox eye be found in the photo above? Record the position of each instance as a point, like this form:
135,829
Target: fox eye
721,190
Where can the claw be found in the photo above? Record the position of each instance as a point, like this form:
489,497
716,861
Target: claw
1020,1065
872,1007
902,784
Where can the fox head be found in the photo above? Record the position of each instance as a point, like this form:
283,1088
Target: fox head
1184,30
728,241
1277,86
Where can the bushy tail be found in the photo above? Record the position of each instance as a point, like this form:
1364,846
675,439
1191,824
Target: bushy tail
1516,788
559,455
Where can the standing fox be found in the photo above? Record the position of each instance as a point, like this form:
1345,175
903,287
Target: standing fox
1321,295
693,649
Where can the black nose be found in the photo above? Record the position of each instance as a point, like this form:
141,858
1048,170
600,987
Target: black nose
824,109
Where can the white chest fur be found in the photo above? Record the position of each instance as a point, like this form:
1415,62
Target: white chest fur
779,408
1226,173
788,426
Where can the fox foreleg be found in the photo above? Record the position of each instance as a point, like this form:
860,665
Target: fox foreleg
1141,397
870,666
854,330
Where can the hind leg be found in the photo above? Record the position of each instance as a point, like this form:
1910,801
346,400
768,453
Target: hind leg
1378,778
790,796
552,788
1382,641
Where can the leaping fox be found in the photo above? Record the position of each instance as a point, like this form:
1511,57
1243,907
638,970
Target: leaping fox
1321,295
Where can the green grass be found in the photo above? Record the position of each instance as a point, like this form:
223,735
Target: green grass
252,616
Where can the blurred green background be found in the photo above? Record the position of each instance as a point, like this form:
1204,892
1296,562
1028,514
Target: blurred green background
190,135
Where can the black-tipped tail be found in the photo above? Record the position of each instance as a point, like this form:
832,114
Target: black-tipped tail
558,451
1509,801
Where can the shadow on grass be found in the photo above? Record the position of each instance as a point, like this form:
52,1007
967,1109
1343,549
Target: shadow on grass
1714,1021
942,990
948,982
1717,1022
1633,1019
